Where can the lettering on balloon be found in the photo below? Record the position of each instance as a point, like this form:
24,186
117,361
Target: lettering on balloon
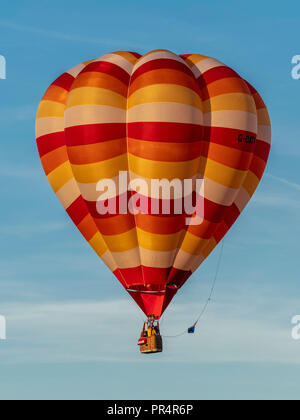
246,139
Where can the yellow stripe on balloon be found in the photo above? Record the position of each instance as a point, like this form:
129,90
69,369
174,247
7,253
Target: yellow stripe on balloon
192,244
163,170
95,172
50,109
60,176
222,174
157,242
98,244
251,182
231,101
165,93
95,96
122,242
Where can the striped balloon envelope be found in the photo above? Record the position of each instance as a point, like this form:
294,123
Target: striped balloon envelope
154,117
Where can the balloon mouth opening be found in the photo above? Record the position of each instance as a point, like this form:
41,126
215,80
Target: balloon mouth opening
147,288
152,288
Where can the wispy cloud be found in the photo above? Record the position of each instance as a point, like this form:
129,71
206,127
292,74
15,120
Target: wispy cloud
19,113
20,171
32,229
98,331
277,200
279,197
284,181
69,37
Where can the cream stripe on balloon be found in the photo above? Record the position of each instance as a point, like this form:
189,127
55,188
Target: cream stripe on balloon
218,193
242,199
205,65
76,70
157,259
127,259
94,114
68,193
264,133
165,112
238,120
158,55
49,125
187,262
110,261
118,60
131,258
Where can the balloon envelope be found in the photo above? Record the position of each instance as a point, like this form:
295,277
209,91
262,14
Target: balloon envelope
160,116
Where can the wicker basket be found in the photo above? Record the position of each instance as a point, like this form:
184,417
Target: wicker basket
153,345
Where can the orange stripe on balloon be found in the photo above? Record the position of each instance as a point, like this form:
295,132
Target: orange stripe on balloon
52,160
93,79
160,224
92,153
56,94
257,166
115,225
167,76
87,227
234,158
167,152
224,86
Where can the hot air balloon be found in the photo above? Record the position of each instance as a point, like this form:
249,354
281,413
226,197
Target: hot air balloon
160,116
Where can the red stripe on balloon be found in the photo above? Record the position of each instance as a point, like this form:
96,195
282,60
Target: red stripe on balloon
65,81
94,133
165,132
220,231
163,63
262,149
217,73
108,68
231,215
78,210
229,137
178,277
50,142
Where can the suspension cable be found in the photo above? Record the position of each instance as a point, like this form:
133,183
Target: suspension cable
209,297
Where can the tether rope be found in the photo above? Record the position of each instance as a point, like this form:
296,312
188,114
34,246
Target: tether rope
209,297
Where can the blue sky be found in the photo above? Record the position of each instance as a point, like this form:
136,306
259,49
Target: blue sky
71,329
